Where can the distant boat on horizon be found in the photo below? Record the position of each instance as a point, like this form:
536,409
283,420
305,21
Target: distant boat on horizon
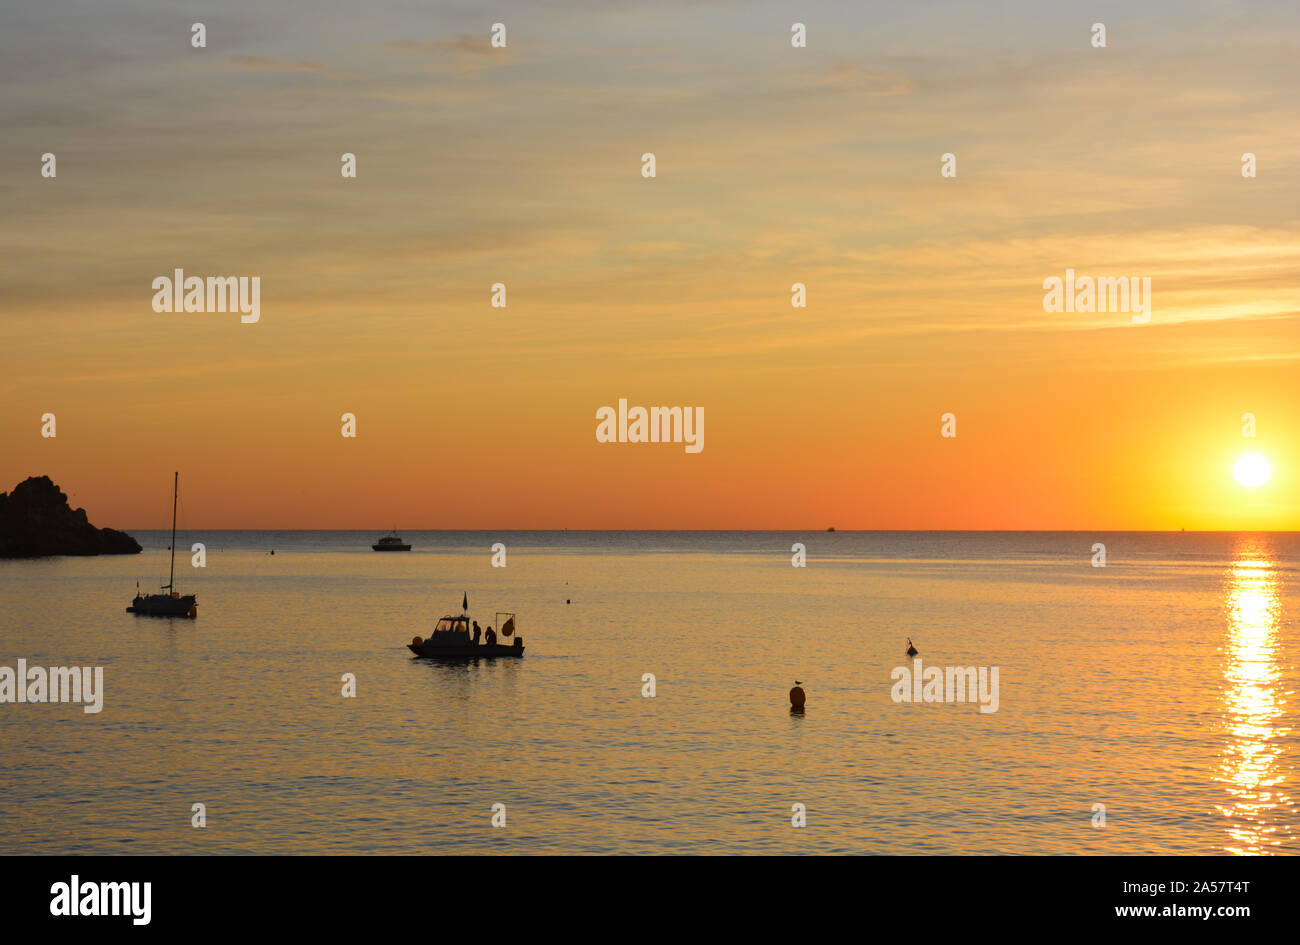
170,604
390,542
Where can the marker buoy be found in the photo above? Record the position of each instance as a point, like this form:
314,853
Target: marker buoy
797,696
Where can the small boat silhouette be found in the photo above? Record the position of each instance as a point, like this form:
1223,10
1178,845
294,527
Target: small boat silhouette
451,639
170,604
390,542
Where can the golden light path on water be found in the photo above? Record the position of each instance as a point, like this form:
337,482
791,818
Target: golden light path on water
1254,706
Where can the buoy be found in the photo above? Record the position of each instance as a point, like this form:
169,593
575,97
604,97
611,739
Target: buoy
797,696
416,641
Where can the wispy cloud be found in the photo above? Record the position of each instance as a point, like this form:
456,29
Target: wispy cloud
853,77
464,54
264,64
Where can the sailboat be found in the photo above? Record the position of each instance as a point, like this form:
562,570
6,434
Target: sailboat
170,604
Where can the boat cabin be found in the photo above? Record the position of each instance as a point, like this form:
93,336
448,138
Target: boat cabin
452,630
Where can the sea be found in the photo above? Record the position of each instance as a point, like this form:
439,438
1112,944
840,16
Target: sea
1147,706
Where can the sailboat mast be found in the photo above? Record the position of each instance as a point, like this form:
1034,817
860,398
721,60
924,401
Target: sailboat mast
171,576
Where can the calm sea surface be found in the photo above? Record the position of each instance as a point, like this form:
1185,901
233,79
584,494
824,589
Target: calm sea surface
1162,686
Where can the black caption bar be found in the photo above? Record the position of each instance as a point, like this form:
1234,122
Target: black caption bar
152,895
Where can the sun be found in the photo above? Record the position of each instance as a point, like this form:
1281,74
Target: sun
1252,470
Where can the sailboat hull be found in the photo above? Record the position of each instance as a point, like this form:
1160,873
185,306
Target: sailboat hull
163,605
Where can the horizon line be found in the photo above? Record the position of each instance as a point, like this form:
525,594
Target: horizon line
824,531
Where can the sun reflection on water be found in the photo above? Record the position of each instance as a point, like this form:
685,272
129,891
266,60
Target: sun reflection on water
1254,704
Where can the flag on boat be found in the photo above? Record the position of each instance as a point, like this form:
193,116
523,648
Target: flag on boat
508,627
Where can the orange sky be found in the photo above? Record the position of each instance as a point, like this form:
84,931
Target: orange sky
775,165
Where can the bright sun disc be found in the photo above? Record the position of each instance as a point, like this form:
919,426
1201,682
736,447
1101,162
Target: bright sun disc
1252,470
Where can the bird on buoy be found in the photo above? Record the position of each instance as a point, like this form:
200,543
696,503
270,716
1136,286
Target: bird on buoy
797,696
911,650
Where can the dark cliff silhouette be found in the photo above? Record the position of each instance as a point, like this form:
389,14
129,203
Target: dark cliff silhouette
36,522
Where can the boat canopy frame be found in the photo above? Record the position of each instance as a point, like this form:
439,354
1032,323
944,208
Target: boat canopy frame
457,622
462,619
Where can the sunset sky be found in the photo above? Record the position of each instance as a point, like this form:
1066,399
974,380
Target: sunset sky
775,165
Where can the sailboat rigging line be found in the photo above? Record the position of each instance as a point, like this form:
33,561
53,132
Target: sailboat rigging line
171,575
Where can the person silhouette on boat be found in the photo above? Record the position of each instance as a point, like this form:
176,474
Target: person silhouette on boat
491,637
478,632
